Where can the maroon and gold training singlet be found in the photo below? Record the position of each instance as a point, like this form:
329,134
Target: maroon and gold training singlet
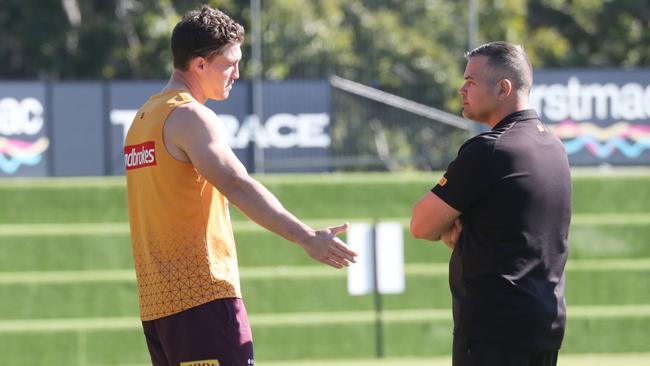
183,246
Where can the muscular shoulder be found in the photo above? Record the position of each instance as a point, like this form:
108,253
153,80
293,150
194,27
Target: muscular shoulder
192,118
192,125
191,113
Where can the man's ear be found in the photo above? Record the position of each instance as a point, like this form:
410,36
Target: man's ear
505,88
197,64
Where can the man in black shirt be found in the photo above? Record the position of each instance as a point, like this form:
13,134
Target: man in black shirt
503,207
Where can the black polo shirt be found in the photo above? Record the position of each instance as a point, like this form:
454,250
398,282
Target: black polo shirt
513,187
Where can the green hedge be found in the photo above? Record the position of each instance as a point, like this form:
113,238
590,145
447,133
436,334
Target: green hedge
298,294
329,196
257,248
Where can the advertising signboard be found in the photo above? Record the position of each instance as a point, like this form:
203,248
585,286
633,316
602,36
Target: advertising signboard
295,129
78,128
602,116
24,137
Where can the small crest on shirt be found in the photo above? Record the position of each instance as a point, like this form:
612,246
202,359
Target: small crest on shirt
540,128
442,182
201,363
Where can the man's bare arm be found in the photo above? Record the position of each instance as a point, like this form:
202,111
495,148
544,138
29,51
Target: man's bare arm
196,132
432,218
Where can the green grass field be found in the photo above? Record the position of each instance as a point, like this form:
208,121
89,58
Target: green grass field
69,298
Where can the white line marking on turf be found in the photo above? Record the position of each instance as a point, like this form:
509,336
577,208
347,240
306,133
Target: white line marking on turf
314,318
52,277
327,178
594,359
597,359
105,228
69,324
636,218
31,229
64,229
295,272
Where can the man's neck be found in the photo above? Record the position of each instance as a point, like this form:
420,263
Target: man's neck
185,81
507,109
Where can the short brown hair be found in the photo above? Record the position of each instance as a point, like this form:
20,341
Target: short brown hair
203,33
506,61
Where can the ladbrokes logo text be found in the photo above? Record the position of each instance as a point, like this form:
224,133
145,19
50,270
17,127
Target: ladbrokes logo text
140,156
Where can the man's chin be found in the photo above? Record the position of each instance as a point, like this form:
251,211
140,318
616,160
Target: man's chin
221,96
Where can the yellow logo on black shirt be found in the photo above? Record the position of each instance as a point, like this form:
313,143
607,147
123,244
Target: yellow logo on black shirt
201,363
442,182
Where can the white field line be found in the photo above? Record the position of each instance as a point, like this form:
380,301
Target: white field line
314,318
618,359
295,272
123,227
285,179
342,178
70,324
592,359
103,228
59,277
638,218
641,264
62,182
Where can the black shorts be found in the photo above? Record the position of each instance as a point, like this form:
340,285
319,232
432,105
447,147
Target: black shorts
213,334
482,353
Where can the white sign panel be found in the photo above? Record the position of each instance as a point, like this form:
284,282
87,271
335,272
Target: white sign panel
389,253
361,273
389,241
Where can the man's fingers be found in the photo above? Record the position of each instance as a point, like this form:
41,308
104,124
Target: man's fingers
458,227
332,263
339,229
331,250
341,255
344,252
341,258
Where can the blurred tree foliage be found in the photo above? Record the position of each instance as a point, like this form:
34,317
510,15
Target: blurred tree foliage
413,48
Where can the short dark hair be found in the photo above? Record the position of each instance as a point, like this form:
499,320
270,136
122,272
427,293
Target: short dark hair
506,61
203,33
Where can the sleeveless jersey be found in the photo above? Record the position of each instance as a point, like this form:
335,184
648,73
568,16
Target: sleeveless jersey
182,240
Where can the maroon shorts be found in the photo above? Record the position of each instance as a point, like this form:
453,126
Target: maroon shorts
215,333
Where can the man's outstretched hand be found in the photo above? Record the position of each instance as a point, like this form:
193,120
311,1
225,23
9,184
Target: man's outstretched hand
327,248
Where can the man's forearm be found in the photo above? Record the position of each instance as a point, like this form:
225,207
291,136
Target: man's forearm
261,206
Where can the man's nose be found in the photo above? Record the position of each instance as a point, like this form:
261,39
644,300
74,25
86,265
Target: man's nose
235,74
